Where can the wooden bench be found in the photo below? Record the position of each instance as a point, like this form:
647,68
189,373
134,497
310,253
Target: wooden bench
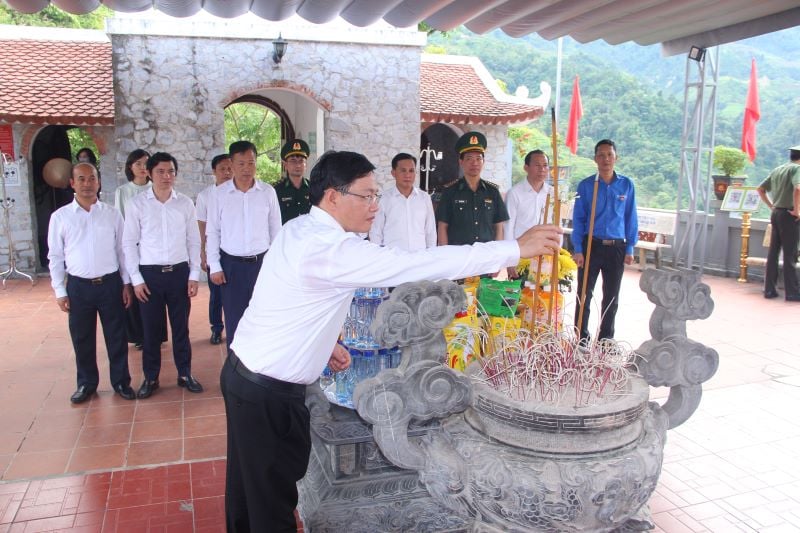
655,225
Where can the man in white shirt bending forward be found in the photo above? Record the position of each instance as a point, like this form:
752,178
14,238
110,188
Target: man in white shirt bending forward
288,333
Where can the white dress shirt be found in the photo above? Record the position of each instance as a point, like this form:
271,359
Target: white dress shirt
87,244
307,282
241,223
405,223
201,203
159,233
525,208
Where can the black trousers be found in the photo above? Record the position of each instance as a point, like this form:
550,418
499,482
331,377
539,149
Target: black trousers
269,444
134,330
87,300
170,290
240,279
610,261
785,234
215,306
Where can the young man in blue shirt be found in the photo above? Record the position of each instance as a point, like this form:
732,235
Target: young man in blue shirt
615,232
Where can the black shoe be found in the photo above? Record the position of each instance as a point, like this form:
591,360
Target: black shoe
147,388
138,346
125,391
83,393
216,337
770,294
191,384
793,298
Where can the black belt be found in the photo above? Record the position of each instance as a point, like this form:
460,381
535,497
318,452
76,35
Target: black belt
292,389
243,258
163,268
608,242
783,208
96,281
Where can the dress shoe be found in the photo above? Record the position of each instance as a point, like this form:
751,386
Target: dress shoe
125,391
138,345
83,393
770,294
216,337
147,388
191,384
793,298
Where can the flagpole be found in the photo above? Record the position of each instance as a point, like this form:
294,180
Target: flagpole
556,220
587,256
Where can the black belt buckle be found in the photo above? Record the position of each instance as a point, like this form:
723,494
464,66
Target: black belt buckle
97,281
249,258
607,242
167,268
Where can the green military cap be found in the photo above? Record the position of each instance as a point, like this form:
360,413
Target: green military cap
472,141
295,147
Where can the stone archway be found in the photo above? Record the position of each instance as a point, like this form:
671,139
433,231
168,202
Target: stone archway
442,139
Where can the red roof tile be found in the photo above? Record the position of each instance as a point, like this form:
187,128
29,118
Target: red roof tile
56,82
455,94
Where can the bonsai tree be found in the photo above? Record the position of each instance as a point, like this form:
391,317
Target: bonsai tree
731,161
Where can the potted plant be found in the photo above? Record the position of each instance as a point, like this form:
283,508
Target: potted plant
730,161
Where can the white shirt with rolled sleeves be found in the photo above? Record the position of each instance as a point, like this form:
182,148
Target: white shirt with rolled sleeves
405,223
86,244
525,207
308,279
159,233
243,223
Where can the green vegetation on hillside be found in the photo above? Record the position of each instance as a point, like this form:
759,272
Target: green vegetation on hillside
635,97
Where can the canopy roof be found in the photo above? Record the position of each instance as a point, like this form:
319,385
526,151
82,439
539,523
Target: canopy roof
676,24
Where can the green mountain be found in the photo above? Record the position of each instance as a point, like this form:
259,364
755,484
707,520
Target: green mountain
633,95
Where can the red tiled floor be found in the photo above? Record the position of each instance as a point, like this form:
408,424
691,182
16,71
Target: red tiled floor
98,458
732,467
155,452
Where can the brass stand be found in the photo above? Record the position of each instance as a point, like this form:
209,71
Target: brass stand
745,248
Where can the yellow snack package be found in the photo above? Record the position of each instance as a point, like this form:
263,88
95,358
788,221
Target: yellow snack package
463,342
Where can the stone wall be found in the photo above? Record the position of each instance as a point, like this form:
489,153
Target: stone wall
171,92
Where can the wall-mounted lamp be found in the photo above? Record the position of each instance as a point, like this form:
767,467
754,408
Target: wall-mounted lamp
696,53
278,49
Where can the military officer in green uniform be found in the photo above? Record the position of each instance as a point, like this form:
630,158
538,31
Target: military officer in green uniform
292,190
471,209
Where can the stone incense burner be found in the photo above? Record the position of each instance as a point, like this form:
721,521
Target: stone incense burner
431,449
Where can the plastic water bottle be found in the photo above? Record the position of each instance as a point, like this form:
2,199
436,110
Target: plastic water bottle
369,364
344,387
397,356
326,379
384,359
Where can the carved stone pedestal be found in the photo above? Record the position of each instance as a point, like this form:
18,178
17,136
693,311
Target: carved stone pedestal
429,449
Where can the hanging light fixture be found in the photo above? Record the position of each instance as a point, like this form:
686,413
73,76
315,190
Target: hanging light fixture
279,49
696,53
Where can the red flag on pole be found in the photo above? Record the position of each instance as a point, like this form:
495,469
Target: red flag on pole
575,116
752,114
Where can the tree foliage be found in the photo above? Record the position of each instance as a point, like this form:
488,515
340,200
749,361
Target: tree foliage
634,96
258,124
52,16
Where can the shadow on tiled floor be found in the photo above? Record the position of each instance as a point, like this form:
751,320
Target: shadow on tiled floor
157,464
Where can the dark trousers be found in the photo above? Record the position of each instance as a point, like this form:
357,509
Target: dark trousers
87,300
240,279
134,330
785,233
610,261
214,306
170,289
269,444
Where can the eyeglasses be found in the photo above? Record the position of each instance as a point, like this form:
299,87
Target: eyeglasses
372,199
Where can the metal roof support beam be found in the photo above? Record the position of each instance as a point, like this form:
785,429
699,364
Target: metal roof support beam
697,143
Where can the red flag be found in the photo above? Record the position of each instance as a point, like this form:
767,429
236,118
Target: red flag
575,115
752,114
